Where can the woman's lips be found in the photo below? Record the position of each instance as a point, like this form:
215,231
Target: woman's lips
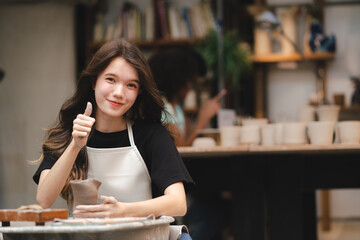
115,104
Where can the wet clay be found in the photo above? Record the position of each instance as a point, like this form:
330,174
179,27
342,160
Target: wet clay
85,192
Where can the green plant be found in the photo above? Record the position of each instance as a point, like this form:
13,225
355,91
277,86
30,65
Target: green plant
236,57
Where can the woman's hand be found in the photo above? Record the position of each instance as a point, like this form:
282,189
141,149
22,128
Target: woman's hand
172,203
82,127
209,109
110,208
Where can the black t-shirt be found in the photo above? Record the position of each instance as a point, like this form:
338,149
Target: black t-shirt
156,147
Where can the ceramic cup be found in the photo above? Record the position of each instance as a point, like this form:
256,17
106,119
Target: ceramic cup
349,132
306,114
328,113
294,133
254,121
268,134
250,135
204,142
278,133
229,135
321,133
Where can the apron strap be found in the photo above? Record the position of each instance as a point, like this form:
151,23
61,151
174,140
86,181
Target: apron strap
130,133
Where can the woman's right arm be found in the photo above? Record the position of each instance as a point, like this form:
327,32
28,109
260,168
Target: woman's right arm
52,180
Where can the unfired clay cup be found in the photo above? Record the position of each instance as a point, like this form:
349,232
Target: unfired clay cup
85,192
250,135
268,135
321,133
229,135
349,132
294,133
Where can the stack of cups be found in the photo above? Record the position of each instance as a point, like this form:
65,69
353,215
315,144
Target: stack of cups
321,132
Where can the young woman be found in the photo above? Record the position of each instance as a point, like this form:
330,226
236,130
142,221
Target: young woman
111,130
176,72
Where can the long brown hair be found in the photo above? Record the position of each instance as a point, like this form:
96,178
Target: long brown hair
148,105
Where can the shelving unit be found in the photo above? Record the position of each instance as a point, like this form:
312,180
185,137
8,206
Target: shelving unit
260,63
154,23
158,43
320,60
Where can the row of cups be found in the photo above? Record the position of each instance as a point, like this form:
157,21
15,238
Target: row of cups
315,132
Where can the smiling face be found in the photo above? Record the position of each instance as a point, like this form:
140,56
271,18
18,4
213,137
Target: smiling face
116,90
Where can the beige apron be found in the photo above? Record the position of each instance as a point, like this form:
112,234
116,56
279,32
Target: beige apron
122,172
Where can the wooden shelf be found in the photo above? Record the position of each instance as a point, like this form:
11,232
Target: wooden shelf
319,56
279,57
156,43
276,57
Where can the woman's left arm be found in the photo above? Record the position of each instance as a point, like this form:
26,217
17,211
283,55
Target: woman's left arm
172,203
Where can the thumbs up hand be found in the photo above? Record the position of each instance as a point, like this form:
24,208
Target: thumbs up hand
82,127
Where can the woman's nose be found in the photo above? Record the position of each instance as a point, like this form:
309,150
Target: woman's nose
118,90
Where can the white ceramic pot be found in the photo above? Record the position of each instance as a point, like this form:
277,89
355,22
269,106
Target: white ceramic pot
328,113
268,135
250,135
294,133
254,121
230,135
321,133
204,142
306,114
278,133
349,132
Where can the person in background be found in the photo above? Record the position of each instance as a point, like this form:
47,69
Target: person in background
175,73
110,128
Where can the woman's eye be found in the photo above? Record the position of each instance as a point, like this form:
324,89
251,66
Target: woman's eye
132,85
110,79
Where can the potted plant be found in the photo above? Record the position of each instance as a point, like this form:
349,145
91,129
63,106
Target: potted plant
236,59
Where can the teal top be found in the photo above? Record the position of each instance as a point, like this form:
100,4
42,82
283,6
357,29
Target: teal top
175,116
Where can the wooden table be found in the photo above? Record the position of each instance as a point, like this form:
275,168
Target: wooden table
39,217
274,187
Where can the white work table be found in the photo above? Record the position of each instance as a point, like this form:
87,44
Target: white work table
273,187
259,149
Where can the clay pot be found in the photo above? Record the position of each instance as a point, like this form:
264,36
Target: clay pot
85,192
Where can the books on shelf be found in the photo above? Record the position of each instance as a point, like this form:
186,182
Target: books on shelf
149,23
159,20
